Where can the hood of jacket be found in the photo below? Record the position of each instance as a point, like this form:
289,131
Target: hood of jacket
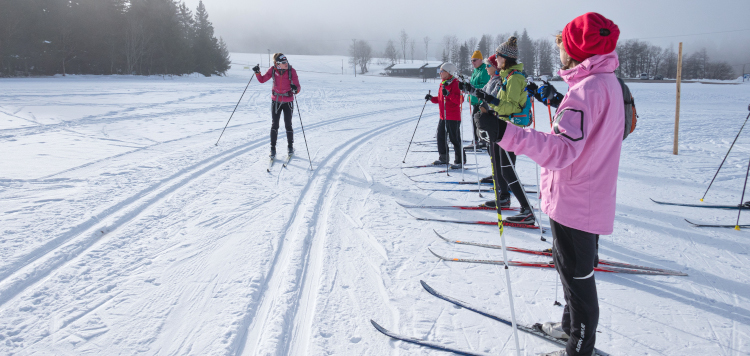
604,63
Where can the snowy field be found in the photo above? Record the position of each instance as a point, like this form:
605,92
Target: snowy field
125,230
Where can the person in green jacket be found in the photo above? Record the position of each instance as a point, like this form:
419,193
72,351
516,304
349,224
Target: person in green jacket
510,99
479,78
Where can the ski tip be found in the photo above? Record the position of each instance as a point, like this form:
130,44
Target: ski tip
377,326
427,287
440,236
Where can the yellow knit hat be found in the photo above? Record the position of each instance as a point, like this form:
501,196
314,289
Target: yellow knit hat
477,55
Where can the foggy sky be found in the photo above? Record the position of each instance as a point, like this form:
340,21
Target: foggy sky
327,26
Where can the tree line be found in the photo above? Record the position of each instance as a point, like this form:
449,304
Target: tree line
141,37
541,56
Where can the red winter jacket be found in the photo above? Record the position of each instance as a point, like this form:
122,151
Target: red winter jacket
450,105
282,87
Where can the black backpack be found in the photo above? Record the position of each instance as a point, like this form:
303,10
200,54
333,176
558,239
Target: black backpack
631,116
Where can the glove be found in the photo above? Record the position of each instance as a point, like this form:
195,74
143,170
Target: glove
428,97
532,88
465,87
294,89
256,69
546,91
482,95
445,92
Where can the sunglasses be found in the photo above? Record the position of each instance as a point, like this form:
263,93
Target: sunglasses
474,60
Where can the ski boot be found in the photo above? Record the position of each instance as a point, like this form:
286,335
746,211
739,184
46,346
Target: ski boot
554,353
526,216
555,330
504,202
442,161
487,180
273,152
290,150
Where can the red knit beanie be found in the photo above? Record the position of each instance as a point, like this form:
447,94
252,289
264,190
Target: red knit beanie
588,35
493,59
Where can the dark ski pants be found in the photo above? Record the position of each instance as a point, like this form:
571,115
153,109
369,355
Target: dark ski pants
576,253
454,136
474,111
276,109
508,179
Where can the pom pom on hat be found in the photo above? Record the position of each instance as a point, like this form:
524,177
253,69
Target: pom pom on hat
588,35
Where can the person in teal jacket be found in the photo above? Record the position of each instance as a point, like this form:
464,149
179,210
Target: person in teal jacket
479,78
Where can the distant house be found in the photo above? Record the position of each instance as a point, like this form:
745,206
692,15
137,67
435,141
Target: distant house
416,70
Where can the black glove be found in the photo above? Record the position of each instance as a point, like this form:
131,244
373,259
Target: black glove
482,95
546,91
256,69
532,88
445,92
465,87
294,89
428,97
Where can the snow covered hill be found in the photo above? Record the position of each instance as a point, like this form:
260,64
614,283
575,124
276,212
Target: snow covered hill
124,229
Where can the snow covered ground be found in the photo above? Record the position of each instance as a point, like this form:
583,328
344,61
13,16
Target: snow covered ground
124,229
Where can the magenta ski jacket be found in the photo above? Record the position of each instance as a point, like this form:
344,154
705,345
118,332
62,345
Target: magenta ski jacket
581,156
282,85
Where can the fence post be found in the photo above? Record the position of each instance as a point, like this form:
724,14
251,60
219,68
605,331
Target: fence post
677,108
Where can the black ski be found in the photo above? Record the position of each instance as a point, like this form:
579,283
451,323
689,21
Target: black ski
746,205
425,343
454,207
714,225
466,190
528,329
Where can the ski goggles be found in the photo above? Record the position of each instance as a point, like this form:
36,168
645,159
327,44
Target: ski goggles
282,60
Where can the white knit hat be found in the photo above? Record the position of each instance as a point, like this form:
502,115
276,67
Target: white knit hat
450,68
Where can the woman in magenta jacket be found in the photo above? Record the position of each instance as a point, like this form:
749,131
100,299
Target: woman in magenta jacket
449,101
285,86
579,160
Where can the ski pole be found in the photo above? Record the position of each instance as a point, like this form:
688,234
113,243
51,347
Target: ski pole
461,136
445,124
476,162
235,109
309,158
494,148
737,226
415,127
725,156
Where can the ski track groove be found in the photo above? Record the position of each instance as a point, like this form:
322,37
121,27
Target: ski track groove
257,331
15,278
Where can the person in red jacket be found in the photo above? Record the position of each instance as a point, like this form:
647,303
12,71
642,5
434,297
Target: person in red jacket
449,100
285,86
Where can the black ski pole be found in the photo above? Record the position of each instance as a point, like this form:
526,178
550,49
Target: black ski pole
309,158
235,109
415,127
737,226
725,156
445,125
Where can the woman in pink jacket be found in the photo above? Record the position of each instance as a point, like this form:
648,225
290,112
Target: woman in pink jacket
285,86
579,160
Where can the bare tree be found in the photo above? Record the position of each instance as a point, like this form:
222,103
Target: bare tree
545,56
136,42
471,44
404,41
360,54
390,52
412,46
426,47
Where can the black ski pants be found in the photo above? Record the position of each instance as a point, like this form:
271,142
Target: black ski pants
474,111
576,254
508,179
277,108
454,134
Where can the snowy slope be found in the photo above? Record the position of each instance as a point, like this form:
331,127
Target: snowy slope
124,229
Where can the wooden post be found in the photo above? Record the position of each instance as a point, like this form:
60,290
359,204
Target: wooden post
677,108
